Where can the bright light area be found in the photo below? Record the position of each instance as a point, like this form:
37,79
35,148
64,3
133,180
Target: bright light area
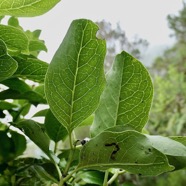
145,18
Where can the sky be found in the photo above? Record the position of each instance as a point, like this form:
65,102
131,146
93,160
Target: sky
144,18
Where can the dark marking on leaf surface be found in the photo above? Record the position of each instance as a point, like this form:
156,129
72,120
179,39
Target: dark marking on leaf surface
116,149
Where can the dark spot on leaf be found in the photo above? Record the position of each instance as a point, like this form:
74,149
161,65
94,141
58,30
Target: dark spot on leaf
117,148
149,149
139,174
136,162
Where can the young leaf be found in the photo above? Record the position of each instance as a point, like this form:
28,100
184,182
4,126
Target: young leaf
75,77
127,98
14,38
7,64
31,68
22,8
54,129
128,150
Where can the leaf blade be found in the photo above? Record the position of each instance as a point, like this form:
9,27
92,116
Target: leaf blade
7,64
21,8
54,129
127,97
31,68
128,150
14,38
75,77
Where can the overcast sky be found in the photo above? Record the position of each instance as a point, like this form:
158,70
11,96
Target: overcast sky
145,18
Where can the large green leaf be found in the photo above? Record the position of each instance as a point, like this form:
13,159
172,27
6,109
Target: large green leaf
127,98
14,38
28,8
54,129
31,68
7,64
127,150
75,77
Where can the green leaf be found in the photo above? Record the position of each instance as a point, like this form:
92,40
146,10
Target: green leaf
91,177
88,121
127,98
34,131
13,21
31,68
31,96
16,84
175,151
75,77
54,129
19,142
7,64
22,8
14,38
4,105
44,177
181,139
40,90
41,113
35,44
128,150
167,146
14,146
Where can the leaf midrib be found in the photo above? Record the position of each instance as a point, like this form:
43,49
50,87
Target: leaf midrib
75,78
119,164
117,111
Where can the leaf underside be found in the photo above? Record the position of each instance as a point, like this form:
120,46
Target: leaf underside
127,98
